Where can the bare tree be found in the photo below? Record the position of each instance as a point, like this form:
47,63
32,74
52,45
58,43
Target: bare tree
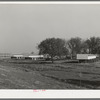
93,44
75,46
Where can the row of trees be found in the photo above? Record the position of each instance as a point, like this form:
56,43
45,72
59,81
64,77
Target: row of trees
60,47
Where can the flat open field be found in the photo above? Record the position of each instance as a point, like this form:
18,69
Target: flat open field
15,74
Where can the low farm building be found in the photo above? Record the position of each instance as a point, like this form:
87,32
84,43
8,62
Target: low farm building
33,57
17,56
86,56
36,57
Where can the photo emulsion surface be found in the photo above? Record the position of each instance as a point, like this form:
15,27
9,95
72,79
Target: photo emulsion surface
49,46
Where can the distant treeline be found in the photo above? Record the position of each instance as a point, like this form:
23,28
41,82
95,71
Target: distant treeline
60,47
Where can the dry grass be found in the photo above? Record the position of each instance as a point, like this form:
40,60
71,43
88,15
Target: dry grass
58,75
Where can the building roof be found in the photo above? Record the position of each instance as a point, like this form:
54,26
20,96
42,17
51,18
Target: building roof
87,54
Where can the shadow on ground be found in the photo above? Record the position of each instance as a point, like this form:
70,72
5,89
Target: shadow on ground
80,83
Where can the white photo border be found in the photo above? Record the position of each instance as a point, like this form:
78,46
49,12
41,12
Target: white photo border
29,94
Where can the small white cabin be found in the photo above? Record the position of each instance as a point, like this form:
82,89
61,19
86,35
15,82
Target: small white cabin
86,56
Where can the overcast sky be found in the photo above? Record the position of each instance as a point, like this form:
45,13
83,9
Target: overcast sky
22,27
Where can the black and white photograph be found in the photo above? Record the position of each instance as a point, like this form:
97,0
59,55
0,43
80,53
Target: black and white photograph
50,46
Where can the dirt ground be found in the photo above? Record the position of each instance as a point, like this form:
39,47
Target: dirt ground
15,75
